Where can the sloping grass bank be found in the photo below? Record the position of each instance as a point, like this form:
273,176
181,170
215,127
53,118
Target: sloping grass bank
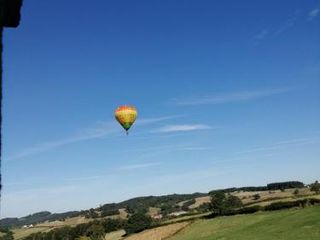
284,224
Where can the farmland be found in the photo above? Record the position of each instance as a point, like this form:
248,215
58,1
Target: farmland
284,224
167,215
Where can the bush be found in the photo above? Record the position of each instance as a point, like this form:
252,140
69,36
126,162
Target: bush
233,202
222,204
243,210
285,205
95,232
137,223
111,225
205,207
315,187
185,206
256,196
284,185
314,201
248,210
110,213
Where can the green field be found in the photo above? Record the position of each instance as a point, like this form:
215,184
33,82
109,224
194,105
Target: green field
285,224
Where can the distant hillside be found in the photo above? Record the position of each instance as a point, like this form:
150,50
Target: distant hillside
36,218
167,204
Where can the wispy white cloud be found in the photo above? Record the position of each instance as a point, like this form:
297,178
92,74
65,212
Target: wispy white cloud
139,166
182,128
155,120
262,34
313,13
99,130
230,97
287,24
191,148
282,144
276,30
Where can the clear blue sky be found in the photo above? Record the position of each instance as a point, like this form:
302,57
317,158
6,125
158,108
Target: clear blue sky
227,94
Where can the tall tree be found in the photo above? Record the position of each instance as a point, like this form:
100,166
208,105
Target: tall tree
315,187
220,202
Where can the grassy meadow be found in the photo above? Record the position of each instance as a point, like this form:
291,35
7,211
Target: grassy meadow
284,224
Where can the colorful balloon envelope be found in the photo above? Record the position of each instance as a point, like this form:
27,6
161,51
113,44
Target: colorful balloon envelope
126,115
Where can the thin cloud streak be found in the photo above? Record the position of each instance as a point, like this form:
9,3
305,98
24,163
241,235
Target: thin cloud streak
155,120
313,13
282,144
265,33
139,166
230,97
289,23
261,35
100,130
182,128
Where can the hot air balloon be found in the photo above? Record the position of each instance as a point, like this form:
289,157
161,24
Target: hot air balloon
126,115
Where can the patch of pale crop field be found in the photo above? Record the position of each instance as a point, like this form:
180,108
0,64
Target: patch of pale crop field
116,235
153,211
247,197
200,201
180,204
20,233
159,233
289,199
67,222
123,213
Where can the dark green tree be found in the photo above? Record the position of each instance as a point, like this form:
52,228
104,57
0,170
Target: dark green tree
137,223
221,203
315,187
233,202
218,202
256,196
7,236
96,232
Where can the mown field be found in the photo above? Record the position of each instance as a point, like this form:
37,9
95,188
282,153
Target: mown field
284,224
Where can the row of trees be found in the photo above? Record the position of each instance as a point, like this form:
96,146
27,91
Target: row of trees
94,230
285,185
97,229
270,186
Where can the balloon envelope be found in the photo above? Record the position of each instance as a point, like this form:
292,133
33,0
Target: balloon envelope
126,115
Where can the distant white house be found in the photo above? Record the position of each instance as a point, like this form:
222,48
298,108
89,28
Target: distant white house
159,216
27,226
176,214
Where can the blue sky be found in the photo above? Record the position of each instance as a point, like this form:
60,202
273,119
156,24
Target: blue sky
227,94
